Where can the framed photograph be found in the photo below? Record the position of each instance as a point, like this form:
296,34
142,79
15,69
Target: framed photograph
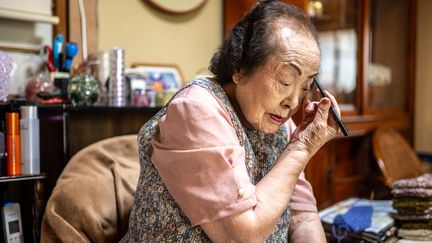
160,77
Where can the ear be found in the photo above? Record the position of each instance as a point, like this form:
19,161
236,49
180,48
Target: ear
236,77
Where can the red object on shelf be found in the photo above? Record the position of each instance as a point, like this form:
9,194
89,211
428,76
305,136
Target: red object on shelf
48,58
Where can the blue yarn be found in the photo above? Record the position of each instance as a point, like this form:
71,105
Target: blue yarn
356,219
339,237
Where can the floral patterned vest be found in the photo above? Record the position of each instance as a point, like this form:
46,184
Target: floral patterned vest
156,217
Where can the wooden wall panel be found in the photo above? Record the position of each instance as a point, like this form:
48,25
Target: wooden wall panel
235,10
60,10
74,27
319,173
89,126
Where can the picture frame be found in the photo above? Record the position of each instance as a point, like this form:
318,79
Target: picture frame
168,74
177,6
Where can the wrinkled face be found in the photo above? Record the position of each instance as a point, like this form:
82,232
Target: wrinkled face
269,96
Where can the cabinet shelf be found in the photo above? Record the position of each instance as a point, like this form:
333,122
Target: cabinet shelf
4,179
98,108
27,16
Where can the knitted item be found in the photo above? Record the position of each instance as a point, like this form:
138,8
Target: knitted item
416,224
415,234
412,192
412,199
424,181
356,219
411,217
410,211
413,204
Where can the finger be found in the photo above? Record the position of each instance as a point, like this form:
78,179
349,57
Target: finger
334,103
311,108
323,110
310,111
305,103
318,92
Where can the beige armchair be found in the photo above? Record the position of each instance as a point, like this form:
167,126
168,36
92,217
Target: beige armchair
93,197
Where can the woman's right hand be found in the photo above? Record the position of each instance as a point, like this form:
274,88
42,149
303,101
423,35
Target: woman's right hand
317,127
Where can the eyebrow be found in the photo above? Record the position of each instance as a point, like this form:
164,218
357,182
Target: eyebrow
297,67
313,75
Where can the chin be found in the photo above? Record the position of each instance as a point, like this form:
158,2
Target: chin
263,125
268,128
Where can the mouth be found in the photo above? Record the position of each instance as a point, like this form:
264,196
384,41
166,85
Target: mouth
278,119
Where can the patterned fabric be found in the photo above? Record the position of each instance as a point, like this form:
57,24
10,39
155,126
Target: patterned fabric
156,217
412,192
414,212
424,181
418,234
412,217
410,203
416,224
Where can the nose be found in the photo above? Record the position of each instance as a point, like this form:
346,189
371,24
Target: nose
292,100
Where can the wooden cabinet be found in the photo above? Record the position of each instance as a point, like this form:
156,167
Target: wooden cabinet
64,131
368,64
27,190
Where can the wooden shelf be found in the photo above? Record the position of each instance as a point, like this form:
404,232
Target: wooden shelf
99,108
19,48
4,179
17,14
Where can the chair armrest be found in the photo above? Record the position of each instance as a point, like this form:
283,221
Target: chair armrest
427,167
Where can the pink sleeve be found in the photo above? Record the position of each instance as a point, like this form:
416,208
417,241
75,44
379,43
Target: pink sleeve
303,198
200,160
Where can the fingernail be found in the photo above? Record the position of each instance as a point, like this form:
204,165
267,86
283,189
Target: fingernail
325,101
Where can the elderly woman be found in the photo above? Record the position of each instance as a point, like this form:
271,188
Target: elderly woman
223,161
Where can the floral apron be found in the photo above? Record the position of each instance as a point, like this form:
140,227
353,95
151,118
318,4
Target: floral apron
156,217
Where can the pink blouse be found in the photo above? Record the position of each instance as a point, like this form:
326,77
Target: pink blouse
203,166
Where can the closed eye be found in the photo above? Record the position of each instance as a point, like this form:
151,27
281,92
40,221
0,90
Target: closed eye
285,84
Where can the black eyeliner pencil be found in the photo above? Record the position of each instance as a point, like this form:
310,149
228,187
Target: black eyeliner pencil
339,121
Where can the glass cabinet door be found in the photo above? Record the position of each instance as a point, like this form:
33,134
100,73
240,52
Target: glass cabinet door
388,56
336,22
